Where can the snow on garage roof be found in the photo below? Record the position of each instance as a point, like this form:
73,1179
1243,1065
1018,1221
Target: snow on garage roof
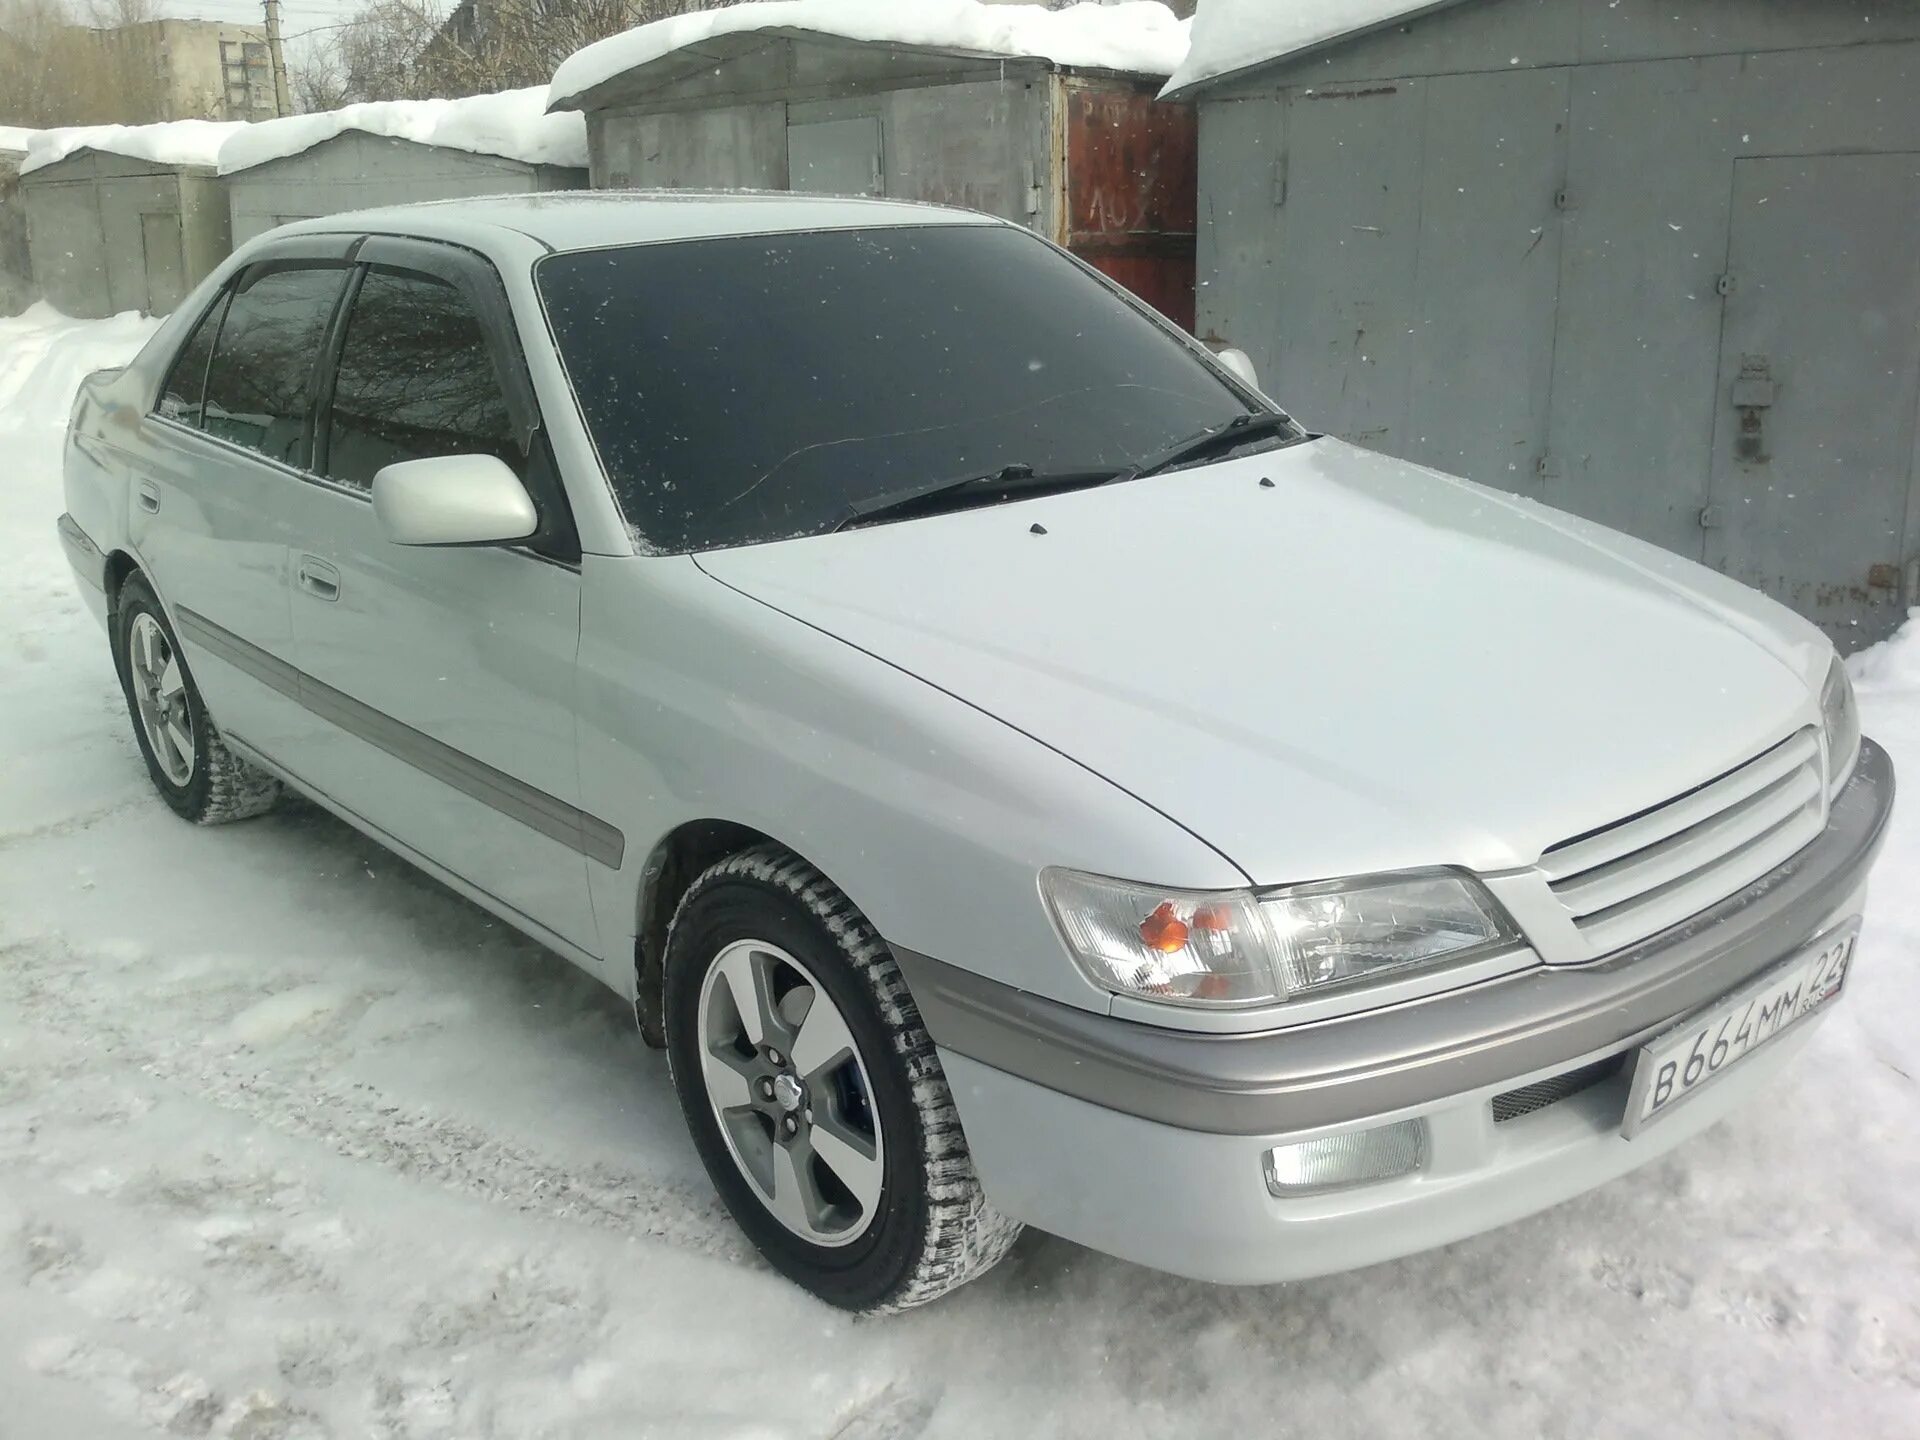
513,124
14,138
1142,36
1230,36
171,142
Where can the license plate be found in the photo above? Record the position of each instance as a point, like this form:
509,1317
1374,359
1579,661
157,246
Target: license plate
1674,1066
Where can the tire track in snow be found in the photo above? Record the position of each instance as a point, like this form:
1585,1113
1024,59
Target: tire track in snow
50,981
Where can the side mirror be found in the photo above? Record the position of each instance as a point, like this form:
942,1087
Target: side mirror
1239,363
453,500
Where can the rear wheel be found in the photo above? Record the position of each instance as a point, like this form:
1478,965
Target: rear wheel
189,764
813,1093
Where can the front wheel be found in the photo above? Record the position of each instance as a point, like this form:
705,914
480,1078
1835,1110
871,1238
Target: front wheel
813,1093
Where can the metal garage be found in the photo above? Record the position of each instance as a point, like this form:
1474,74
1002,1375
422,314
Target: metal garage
390,153
109,231
1080,152
1653,264
14,267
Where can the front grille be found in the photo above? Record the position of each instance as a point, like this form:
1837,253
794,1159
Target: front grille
1651,870
1528,1098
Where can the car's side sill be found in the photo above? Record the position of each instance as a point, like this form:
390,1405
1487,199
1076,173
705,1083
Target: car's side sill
520,921
551,816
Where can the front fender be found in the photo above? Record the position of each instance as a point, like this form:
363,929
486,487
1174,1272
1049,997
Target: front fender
697,702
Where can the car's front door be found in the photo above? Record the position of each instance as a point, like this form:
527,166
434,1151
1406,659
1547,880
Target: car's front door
441,680
223,453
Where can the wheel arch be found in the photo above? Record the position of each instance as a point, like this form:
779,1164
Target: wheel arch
674,863
120,565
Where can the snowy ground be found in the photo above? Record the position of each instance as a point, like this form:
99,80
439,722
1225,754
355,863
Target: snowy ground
295,1143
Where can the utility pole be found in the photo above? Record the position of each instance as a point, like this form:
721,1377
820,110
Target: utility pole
282,102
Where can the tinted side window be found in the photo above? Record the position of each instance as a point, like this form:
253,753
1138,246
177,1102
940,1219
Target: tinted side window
187,381
415,380
258,382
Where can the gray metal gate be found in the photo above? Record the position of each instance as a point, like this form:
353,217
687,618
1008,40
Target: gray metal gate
166,261
1814,441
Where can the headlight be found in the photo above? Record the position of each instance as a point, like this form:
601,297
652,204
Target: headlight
1226,949
1841,720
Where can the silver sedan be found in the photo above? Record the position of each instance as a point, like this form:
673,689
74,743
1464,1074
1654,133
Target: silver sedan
1018,773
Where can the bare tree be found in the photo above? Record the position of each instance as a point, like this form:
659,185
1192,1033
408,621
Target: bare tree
79,62
414,49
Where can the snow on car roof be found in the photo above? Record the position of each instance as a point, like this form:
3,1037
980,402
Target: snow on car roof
1230,36
1142,36
14,138
513,124
171,142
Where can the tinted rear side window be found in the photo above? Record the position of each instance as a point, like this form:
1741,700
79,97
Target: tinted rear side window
187,382
257,385
752,388
415,380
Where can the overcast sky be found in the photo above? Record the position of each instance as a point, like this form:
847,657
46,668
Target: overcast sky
297,17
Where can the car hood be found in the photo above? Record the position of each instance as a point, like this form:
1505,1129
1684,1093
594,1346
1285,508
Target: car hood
1361,666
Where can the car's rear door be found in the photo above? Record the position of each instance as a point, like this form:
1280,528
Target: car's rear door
441,680
228,443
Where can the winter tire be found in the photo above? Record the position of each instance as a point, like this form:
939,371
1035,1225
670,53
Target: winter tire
191,766
813,1093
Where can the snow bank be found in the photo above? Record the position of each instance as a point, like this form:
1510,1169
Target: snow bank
1139,35
1233,35
44,355
172,142
1893,666
513,124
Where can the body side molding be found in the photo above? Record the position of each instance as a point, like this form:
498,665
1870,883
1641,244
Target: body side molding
551,816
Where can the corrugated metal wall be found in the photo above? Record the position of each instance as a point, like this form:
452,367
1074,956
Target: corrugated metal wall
1497,242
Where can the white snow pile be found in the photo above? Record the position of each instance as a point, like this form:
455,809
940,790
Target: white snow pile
1234,35
513,124
1142,36
14,138
171,142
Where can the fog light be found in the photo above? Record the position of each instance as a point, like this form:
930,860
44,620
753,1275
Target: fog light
1364,1157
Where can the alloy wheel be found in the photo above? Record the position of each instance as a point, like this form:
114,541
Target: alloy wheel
160,695
791,1092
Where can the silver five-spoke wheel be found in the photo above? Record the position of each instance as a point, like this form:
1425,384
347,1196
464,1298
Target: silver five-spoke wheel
160,694
791,1092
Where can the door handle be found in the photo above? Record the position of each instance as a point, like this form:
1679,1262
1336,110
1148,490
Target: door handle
317,577
149,495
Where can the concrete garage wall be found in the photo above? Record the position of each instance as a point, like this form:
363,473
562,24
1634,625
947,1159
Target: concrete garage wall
108,233
1531,273
355,170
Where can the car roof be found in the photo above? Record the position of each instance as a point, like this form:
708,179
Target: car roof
595,219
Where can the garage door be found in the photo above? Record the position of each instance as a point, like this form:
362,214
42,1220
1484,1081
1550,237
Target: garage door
1819,388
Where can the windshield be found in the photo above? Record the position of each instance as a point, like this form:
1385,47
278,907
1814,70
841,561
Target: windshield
760,387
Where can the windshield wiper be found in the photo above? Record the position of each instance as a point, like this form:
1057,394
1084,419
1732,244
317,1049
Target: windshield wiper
1242,428
1006,482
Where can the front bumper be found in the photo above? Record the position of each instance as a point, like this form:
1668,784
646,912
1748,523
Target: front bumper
1147,1143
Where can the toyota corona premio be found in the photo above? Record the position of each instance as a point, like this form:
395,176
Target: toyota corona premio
1019,774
